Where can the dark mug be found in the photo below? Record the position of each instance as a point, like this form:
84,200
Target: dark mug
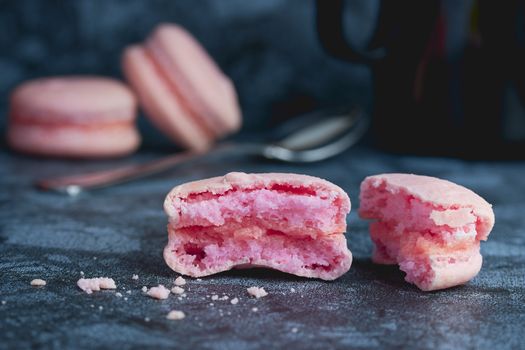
448,76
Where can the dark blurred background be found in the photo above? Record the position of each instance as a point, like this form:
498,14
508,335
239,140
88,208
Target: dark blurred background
437,77
268,47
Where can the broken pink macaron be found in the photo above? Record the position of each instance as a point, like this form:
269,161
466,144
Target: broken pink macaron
287,222
181,88
430,227
73,117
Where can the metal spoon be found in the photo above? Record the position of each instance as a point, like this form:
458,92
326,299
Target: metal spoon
319,136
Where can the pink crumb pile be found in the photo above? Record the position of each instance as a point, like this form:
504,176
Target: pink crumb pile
257,292
289,222
90,285
159,292
430,227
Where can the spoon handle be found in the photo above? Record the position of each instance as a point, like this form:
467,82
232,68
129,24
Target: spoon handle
73,184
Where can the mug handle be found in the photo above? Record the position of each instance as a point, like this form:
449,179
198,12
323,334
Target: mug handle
329,20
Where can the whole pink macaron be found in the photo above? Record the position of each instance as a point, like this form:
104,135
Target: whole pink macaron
73,117
181,88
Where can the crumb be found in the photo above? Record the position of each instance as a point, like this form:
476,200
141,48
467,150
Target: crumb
183,295
101,307
179,281
179,298
292,290
92,306
175,315
81,273
125,299
229,313
147,319
37,282
214,297
225,298
3,302
234,301
117,294
211,304
257,292
294,330
198,279
94,258
254,309
135,277
144,289
90,285
159,292
177,290
128,291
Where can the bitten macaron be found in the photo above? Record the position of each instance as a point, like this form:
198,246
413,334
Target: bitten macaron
73,117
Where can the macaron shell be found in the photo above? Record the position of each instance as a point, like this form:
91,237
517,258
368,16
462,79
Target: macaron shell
74,141
160,103
438,192
243,181
73,100
208,93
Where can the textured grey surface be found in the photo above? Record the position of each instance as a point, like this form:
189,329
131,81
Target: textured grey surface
119,232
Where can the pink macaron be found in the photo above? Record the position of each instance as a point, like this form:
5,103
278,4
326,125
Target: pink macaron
430,227
287,222
73,117
181,88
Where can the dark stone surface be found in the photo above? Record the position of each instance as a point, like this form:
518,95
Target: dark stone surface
120,231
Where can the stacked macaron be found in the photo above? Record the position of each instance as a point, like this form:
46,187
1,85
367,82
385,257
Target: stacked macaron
177,83
181,88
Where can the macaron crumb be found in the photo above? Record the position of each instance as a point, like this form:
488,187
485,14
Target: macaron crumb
37,282
294,330
177,290
214,297
234,301
257,292
254,309
175,315
159,292
147,319
292,290
135,277
90,285
4,302
117,294
180,281
144,289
